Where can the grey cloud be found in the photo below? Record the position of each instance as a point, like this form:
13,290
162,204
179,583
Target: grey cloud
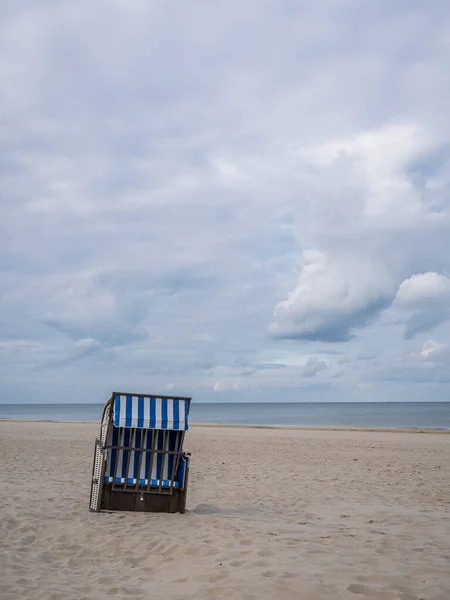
340,329
84,309
367,355
343,361
313,366
338,374
424,321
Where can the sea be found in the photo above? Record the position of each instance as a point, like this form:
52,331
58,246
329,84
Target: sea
422,415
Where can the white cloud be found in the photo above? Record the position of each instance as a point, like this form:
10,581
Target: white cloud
430,348
423,287
334,296
426,298
221,385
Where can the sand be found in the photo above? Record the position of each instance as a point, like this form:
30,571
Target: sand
272,513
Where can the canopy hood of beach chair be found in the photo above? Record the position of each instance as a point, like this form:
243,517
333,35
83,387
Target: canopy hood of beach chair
150,412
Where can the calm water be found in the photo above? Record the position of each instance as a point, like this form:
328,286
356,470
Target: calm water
433,415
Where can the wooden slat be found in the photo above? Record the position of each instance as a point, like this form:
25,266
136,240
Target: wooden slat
153,490
114,475
141,455
143,449
175,463
152,456
129,456
163,461
102,483
180,452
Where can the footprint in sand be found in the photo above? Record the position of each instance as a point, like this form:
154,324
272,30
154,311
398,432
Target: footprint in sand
364,590
265,553
357,588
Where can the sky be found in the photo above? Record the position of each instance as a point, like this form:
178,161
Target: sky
237,201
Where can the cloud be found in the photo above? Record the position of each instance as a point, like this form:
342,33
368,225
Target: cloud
81,348
87,308
431,348
425,287
221,385
333,298
313,366
428,364
426,297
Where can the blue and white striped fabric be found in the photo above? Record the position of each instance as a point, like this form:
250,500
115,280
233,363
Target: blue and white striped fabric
139,462
151,413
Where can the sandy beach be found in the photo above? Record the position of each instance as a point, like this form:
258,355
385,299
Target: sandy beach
272,513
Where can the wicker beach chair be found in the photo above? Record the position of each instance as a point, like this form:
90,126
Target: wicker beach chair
139,462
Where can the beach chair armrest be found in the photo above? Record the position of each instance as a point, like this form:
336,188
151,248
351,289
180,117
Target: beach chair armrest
99,444
96,474
187,458
184,468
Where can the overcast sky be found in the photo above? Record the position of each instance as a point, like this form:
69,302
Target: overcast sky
237,201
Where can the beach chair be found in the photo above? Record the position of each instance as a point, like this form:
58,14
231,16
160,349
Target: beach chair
139,462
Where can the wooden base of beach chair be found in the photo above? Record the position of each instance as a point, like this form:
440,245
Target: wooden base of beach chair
144,501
